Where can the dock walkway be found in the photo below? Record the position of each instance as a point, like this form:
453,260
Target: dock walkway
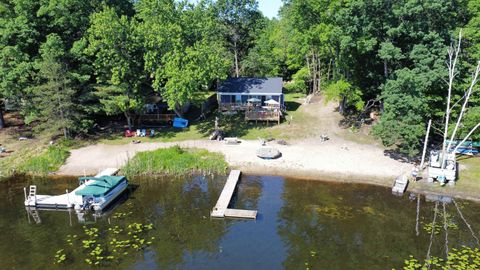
221,209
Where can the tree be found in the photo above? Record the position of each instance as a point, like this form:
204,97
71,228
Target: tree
345,94
405,109
18,37
241,21
114,42
184,51
53,97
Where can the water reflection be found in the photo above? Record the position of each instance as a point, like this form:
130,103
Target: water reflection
333,227
301,224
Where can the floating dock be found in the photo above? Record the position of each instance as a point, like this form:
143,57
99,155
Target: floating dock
221,209
57,201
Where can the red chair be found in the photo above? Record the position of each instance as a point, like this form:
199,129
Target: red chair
129,133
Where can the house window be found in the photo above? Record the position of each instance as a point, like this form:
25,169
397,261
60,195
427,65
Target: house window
238,98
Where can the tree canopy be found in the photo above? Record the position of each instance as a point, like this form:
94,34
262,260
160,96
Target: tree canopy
112,55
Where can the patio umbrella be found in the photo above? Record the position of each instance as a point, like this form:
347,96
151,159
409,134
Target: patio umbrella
272,102
253,100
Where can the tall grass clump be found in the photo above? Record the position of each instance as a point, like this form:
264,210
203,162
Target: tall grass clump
175,161
49,160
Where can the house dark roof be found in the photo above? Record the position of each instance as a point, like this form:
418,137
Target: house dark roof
252,85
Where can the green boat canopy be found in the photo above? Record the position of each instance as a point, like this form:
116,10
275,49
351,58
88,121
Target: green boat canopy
100,186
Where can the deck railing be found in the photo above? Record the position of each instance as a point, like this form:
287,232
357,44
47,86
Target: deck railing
158,117
263,115
234,106
246,106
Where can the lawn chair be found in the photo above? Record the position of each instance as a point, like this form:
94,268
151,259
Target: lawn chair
138,133
262,141
152,133
129,133
143,133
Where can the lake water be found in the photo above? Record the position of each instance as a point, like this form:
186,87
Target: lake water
301,225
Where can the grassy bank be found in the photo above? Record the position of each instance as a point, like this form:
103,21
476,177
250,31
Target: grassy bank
47,161
35,159
175,161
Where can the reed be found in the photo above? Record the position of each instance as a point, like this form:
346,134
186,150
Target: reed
175,161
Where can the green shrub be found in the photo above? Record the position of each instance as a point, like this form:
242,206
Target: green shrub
175,161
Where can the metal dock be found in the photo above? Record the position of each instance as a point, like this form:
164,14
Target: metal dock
221,209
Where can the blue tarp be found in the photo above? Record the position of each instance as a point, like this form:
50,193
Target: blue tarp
180,122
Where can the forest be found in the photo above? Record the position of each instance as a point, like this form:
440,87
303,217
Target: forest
65,63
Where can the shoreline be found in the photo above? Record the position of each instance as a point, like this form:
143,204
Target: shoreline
418,188
338,161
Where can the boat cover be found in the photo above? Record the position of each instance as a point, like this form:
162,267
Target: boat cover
101,186
466,143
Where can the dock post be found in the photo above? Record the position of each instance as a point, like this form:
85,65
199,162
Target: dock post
68,198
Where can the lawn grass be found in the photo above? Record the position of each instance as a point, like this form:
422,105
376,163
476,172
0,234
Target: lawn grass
300,122
175,161
469,173
161,135
233,126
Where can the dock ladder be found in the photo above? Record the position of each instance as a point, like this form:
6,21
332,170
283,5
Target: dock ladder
32,193
34,213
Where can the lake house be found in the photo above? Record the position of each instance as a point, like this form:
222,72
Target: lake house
238,93
261,98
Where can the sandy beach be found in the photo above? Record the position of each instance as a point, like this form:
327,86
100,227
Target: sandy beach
335,159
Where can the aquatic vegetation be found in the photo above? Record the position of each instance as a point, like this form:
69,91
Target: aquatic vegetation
102,247
121,215
60,256
176,161
335,211
451,225
465,258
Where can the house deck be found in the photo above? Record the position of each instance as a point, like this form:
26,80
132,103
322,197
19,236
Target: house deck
263,116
